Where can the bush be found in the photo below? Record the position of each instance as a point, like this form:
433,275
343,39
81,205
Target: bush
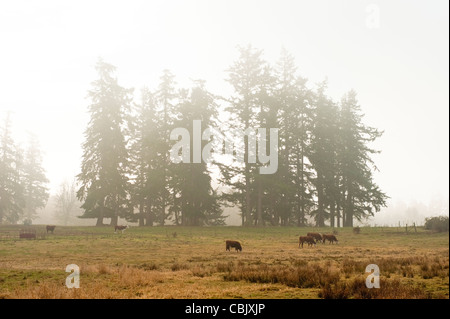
27,222
439,224
299,276
356,289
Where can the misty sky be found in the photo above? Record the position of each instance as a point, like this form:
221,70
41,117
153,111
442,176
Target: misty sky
399,69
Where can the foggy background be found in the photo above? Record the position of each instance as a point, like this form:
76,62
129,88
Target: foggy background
397,63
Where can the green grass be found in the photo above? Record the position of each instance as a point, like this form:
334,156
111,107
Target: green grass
153,262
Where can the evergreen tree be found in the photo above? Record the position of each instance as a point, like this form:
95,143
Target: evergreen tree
148,167
11,188
246,75
361,196
266,118
197,203
167,114
105,167
34,180
294,121
322,153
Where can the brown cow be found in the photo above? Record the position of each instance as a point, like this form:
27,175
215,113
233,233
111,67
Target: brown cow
121,228
233,244
306,239
50,228
330,238
316,236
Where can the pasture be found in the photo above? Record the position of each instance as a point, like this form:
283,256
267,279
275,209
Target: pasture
191,262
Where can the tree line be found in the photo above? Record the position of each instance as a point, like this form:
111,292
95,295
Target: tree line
22,179
325,166
324,174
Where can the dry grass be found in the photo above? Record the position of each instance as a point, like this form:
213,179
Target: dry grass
152,263
356,289
300,276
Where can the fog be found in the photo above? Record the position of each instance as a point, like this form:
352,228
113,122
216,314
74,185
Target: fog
394,54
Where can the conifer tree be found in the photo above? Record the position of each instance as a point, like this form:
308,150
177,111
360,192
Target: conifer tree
34,180
104,176
149,183
246,75
197,203
361,196
11,187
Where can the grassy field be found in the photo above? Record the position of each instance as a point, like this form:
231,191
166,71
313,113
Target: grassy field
185,262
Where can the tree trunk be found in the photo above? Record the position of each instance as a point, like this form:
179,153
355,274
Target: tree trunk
301,173
332,212
114,220
348,211
99,221
248,210
338,217
248,204
343,218
320,219
149,219
259,207
100,217
349,219
141,214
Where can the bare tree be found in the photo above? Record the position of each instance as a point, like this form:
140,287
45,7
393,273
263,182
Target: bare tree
66,199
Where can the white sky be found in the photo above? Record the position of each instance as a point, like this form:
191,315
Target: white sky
400,70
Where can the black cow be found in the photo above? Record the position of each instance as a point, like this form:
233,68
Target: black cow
50,228
233,244
330,238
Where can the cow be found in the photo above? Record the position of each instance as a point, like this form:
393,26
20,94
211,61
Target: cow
121,228
330,238
233,244
50,228
306,239
316,236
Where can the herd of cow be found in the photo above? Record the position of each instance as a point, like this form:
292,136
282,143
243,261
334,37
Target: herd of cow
310,238
51,228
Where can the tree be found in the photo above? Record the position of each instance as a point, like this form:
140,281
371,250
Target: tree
322,153
196,202
361,196
148,167
105,166
34,180
438,224
66,200
246,75
11,188
167,113
293,117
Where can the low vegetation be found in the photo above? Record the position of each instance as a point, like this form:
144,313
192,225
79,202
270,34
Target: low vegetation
151,263
439,224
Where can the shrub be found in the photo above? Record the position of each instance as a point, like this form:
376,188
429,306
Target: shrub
225,267
27,222
356,289
148,266
304,276
179,266
439,224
